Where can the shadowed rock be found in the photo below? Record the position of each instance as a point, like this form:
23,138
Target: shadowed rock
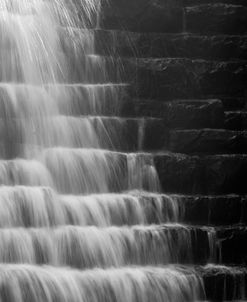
142,15
208,141
129,44
236,120
217,174
216,18
186,78
224,283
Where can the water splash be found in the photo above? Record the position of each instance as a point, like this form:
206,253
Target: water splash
172,284
42,207
47,52
86,247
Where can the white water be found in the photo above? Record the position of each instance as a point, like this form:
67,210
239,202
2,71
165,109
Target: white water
66,199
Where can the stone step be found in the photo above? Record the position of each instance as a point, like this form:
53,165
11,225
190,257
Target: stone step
210,210
127,208
116,133
233,103
207,210
216,174
216,18
69,99
185,78
164,78
142,15
232,245
207,141
181,114
224,282
183,45
82,68
196,2
168,17
236,120
106,100
81,170
129,245
229,18
112,133
89,247
154,281
178,173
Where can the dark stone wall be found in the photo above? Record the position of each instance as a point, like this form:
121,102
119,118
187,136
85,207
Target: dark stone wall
186,63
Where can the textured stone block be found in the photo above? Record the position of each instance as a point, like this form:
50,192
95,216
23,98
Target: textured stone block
142,15
185,78
216,18
208,141
160,45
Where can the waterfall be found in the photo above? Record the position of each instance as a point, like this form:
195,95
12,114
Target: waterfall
81,220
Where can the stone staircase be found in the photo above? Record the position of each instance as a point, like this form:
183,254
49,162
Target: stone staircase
177,105
186,64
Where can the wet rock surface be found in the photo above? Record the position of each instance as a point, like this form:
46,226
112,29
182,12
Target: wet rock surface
216,18
171,45
236,120
207,210
215,174
208,141
185,78
143,15
224,283
232,244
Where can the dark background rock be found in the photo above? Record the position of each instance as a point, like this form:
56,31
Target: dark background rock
233,247
179,173
159,45
223,284
208,141
197,2
216,18
142,15
185,78
216,174
204,210
225,174
236,120
187,114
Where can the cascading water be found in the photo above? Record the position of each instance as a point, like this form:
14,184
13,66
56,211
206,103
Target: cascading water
68,198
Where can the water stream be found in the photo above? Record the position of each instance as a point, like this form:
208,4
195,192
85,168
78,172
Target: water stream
75,208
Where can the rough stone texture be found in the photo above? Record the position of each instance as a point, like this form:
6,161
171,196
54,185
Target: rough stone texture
233,247
155,134
174,70
180,173
224,283
182,113
236,120
197,2
194,114
225,174
123,133
142,15
216,18
186,78
207,210
217,174
170,45
208,141
233,103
